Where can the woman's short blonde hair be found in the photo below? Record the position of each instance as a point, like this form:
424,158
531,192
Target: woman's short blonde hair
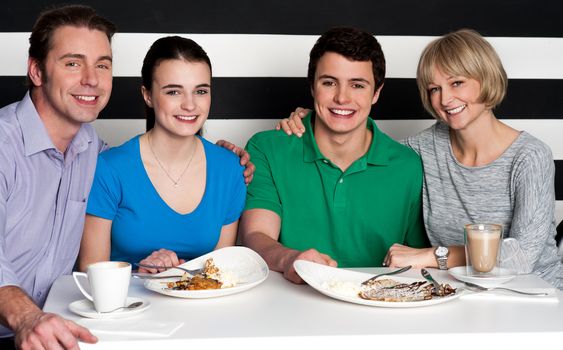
464,53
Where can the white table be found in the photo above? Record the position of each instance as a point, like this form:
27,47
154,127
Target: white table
280,315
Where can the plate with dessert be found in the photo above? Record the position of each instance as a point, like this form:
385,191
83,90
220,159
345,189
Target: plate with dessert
386,291
226,271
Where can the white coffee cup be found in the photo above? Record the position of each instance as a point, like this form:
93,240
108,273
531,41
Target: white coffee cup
109,284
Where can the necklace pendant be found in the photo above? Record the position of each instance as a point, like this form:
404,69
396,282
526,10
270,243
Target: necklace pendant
176,184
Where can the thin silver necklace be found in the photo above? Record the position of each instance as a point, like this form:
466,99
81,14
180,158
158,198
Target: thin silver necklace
176,183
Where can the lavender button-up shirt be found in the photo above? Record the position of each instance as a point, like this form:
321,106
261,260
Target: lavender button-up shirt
43,195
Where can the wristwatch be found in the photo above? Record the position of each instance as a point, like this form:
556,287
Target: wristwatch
441,254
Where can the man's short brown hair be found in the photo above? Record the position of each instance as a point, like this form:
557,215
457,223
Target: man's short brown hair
51,19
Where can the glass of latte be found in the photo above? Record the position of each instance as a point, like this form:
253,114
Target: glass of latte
482,248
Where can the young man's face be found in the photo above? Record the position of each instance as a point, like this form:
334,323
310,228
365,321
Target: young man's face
77,79
344,92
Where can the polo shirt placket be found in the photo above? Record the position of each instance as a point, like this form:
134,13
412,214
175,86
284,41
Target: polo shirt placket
353,216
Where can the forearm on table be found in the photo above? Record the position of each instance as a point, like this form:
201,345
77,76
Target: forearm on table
276,255
15,306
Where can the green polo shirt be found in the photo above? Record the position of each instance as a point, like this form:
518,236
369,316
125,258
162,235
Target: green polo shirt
353,216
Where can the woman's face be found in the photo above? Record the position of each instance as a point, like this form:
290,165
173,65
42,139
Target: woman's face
455,99
180,96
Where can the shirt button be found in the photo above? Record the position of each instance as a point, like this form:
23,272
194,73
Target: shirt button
341,180
325,161
39,294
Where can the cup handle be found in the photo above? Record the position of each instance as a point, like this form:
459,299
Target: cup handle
512,256
82,290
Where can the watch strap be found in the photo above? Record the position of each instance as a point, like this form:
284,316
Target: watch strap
442,263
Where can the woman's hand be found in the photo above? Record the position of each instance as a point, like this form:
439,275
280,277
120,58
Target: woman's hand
293,124
162,257
244,158
400,255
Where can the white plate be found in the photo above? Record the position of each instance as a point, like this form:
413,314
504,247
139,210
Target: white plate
500,276
245,264
317,276
85,308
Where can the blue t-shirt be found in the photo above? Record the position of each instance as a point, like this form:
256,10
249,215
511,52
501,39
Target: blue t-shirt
142,222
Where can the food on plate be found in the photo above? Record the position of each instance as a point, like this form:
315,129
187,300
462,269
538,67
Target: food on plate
389,290
197,282
210,278
342,287
393,291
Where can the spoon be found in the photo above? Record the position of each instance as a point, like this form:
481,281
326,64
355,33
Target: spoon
128,307
403,269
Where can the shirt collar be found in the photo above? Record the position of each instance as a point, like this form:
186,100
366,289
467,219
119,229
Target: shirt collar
377,153
311,150
35,136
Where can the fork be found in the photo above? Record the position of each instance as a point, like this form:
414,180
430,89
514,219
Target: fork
152,276
191,272
403,269
484,289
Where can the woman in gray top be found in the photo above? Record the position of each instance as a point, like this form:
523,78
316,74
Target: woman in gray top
476,168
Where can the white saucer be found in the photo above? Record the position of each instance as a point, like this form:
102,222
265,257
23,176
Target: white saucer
85,308
499,276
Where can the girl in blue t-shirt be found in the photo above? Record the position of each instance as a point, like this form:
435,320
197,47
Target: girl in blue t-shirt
168,195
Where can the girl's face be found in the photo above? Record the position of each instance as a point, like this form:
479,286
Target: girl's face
455,99
180,96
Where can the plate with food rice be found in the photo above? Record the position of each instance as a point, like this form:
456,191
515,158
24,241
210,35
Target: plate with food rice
386,291
226,271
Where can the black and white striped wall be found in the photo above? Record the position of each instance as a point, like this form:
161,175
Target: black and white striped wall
259,51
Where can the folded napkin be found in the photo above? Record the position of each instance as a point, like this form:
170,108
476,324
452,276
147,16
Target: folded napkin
140,328
525,283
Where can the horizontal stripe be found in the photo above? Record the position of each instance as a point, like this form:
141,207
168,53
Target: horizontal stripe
288,55
495,18
270,98
559,179
559,217
116,132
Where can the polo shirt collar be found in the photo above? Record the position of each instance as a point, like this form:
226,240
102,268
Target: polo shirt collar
377,153
35,136
311,150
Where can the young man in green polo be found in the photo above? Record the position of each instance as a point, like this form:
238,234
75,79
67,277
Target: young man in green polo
344,192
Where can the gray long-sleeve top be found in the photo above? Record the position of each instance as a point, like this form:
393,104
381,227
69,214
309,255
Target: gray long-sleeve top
516,190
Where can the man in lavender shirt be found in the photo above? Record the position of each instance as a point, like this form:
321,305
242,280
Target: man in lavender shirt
48,154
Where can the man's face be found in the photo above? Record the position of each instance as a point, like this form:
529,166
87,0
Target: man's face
75,84
344,92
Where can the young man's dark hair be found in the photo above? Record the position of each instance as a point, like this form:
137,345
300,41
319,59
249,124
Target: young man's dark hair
54,18
352,43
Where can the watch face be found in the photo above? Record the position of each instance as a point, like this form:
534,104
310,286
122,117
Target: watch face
441,251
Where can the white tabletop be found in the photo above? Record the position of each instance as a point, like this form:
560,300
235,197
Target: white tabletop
279,314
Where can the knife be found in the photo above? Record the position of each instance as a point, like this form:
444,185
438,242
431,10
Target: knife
430,279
